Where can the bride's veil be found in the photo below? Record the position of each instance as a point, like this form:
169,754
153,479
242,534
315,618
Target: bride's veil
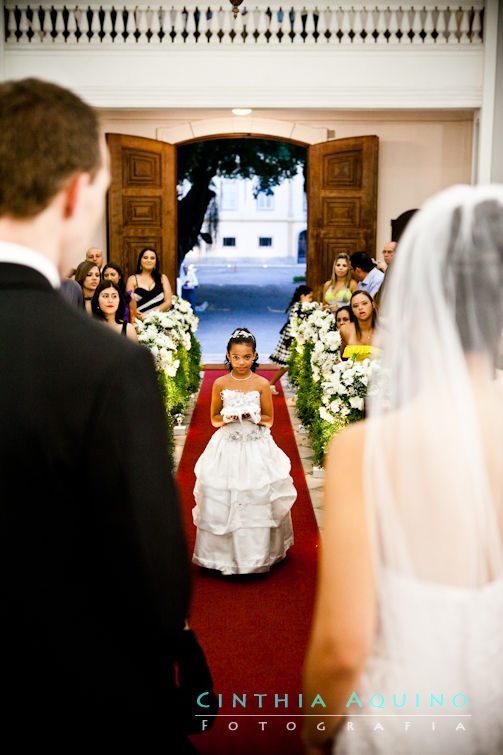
434,440
433,472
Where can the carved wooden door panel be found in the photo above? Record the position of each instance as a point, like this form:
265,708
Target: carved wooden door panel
142,202
342,203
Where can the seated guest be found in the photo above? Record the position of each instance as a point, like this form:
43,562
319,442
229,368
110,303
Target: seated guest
358,334
367,274
388,253
150,287
88,277
343,317
108,305
112,272
95,255
339,289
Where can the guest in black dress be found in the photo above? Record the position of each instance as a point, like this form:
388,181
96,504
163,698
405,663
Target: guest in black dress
150,287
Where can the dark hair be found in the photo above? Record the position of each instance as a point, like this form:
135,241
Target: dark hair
363,261
302,290
241,335
114,266
374,313
47,134
82,271
345,309
95,305
156,272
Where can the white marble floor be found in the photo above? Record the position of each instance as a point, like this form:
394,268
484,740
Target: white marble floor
314,484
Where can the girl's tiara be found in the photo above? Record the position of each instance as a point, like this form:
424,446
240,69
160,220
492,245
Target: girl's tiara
239,333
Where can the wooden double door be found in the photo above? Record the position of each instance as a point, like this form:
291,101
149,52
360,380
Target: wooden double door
341,199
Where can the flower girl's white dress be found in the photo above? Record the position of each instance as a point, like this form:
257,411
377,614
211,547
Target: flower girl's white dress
243,493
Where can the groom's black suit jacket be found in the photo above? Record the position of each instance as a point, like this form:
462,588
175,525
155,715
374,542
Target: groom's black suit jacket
94,573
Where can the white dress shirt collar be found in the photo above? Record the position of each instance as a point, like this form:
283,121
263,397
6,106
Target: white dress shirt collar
22,255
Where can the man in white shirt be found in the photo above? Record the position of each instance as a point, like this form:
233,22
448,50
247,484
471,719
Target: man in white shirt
367,274
189,284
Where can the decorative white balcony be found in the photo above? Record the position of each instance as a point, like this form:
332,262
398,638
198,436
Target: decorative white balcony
297,25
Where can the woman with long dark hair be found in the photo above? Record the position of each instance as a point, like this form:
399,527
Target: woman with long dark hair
112,272
108,305
149,286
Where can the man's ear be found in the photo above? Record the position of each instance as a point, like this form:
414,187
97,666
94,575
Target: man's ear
73,191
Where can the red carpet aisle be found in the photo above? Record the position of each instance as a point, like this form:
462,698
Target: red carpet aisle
253,628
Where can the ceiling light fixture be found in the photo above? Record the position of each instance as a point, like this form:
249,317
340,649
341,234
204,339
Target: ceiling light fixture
242,110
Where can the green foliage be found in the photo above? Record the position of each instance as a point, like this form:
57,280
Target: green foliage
294,364
175,391
268,160
194,364
299,278
321,433
309,396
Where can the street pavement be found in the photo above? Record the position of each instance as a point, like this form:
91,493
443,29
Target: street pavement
243,296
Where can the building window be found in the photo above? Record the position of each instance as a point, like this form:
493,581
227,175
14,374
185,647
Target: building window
229,241
265,240
265,201
229,195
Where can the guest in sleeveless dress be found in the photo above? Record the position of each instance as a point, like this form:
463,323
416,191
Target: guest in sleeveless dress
281,354
339,289
358,334
112,272
149,286
88,276
108,306
244,491
406,648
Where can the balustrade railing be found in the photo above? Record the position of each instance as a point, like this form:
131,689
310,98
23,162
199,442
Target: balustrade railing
106,25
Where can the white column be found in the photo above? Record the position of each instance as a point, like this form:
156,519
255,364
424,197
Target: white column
490,163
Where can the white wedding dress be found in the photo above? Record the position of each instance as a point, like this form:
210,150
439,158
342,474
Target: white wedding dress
458,657
243,493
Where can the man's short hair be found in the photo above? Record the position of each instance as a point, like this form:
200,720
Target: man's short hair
363,261
47,134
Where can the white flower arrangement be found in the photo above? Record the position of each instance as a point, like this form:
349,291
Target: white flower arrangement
345,390
315,325
164,332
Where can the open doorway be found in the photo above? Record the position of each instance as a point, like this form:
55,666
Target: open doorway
245,252
144,209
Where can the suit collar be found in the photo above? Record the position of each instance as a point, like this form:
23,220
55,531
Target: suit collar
22,255
21,276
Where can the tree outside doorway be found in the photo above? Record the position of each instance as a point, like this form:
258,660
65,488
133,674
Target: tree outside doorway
244,246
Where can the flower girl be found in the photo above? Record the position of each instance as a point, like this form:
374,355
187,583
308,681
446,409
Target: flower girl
243,489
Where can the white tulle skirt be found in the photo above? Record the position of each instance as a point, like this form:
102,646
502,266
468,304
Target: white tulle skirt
243,493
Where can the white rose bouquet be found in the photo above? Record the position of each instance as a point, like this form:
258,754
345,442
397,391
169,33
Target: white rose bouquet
345,390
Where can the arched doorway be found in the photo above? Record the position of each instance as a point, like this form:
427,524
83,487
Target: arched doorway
341,199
